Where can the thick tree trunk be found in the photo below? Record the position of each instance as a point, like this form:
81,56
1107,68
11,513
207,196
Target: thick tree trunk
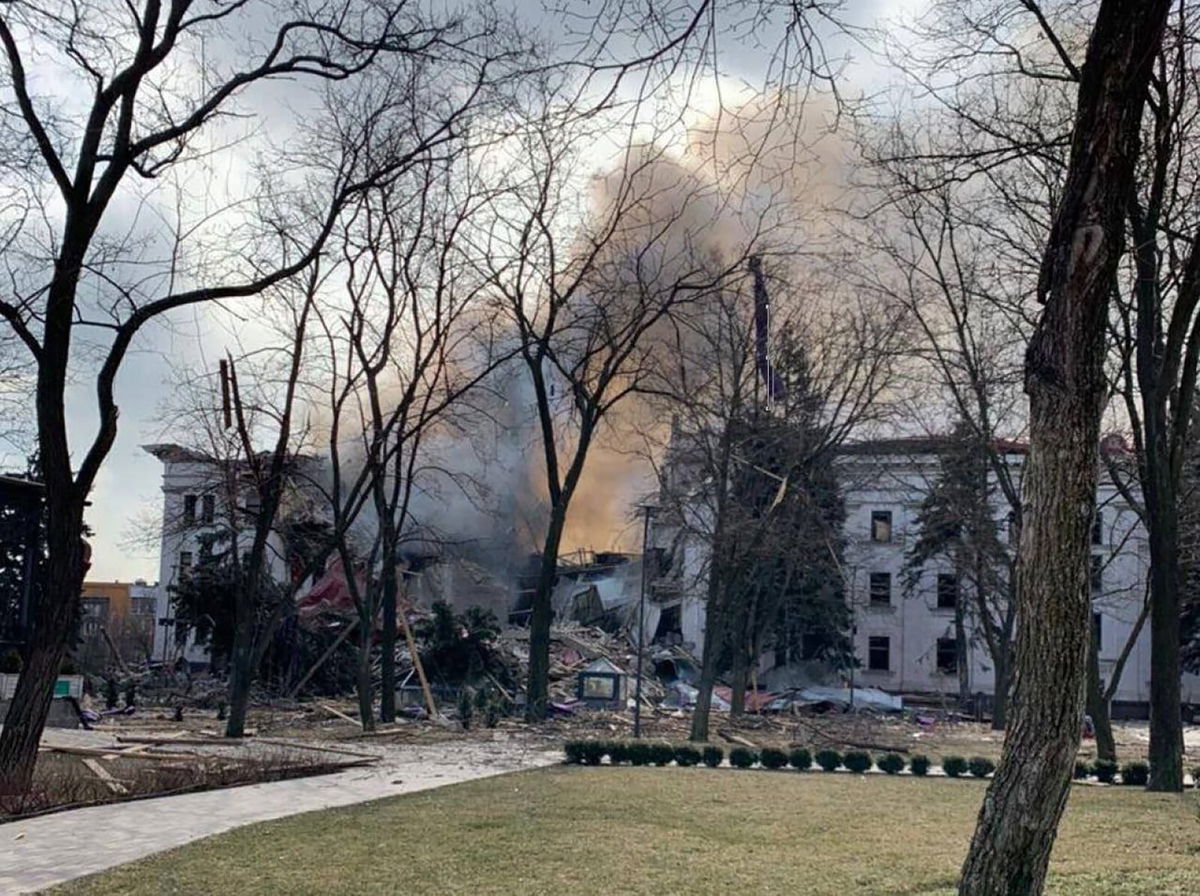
1166,721
1064,377
241,669
54,620
537,686
714,634
739,677
960,657
1097,706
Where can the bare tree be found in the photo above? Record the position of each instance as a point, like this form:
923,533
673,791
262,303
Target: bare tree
150,117
1065,380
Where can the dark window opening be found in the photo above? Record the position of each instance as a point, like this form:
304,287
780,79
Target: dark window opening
947,591
189,510
947,655
879,649
881,525
1097,576
185,564
1098,528
209,508
881,588
1098,629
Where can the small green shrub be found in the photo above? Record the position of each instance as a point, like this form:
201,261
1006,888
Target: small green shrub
981,766
919,765
954,766
1105,770
773,758
592,751
1135,774
639,753
686,755
890,763
712,756
742,757
573,751
618,752
662,754
830,760
1082,770
857,761
800,759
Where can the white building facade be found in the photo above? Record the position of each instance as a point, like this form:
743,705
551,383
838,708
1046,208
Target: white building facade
904,637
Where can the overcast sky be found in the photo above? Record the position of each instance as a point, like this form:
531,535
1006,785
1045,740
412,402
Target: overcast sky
127,490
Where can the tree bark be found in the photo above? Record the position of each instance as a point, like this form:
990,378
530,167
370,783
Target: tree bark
241,669
537,688
739,676
1064,378
714,634
1166,720
960,656
1097,706
53,622
366,701
1000,663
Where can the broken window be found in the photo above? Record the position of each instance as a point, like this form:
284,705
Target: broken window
1098,528
947,591
881,525
209,509
1097,576
185,564
879,653
881,588
947,656
189,510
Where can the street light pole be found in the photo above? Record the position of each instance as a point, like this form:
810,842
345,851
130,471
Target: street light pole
646,509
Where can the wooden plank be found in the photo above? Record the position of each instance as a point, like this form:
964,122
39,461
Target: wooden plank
183,741
278,741
104,775
338,713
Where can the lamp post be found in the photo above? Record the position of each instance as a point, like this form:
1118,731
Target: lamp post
647,510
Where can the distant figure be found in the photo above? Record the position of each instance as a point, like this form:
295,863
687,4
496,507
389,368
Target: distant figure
1089,728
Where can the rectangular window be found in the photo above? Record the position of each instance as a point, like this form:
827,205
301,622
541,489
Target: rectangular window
185,564
1098,528
881,589
879,653
209,510
143,606
1098,630
947,591
881,525
1097,575
947,656
189,510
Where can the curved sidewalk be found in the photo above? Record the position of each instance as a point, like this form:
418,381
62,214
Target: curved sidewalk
44,851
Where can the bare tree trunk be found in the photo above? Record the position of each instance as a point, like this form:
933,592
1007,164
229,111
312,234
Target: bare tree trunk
960,656
1166,720
536,691
1001,664
387,641
714,635
1097,706
1064,377
54,621
241,668
739,676
366,701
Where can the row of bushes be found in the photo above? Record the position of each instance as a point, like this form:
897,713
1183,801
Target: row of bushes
1135,774
593,752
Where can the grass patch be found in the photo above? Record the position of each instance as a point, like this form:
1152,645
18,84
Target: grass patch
654,831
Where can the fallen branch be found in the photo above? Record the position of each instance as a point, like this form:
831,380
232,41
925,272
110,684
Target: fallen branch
104,775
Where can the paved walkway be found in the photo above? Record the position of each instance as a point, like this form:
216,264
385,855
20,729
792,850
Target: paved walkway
54,848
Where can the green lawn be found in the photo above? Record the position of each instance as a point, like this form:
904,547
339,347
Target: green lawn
670,831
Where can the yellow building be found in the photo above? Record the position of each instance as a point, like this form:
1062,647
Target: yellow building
118,615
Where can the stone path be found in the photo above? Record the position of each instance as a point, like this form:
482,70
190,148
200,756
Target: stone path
43,851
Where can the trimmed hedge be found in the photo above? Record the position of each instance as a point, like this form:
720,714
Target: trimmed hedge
1135,774
919,765
954,766
800,759
662,754
639,753
742,757
618,752
981,766
890,763
1105,770
830,760
772,758
857,761
686,755
573,750
712,756
1082,770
